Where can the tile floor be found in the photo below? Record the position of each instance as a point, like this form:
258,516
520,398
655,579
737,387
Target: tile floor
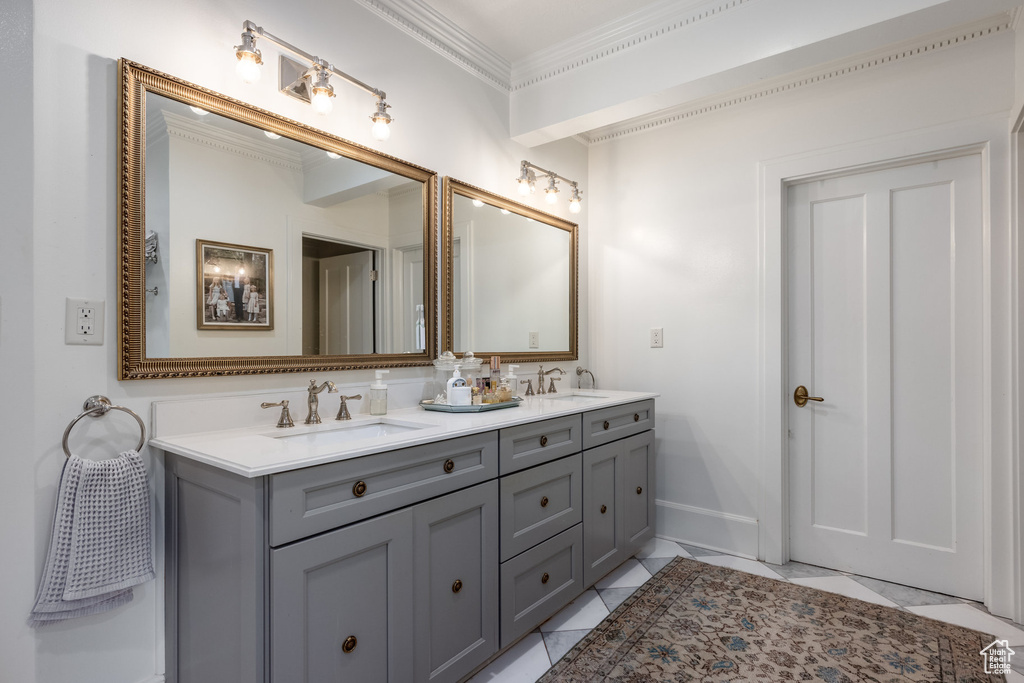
533,655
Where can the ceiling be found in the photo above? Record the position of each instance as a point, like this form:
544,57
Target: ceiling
515,29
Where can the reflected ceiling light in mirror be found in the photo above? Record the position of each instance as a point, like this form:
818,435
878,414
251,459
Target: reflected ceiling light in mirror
333,155
310,84
272,136
505,212
200,112
527,184
477,203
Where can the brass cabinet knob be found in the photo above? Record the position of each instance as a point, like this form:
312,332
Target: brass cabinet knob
636,417
606,424
639,490
358,490
543,441
457,586
449,465
544,579
544,502
604,509
349,644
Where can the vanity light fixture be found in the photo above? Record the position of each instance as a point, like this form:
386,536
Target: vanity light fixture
309,83
527,182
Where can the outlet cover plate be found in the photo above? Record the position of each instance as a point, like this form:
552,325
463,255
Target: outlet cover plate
83,322
657,338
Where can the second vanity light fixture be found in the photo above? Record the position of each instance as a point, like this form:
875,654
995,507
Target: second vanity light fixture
311,83
528,184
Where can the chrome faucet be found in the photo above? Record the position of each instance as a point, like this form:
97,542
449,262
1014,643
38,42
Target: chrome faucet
313,400
540,379
286,418
343,412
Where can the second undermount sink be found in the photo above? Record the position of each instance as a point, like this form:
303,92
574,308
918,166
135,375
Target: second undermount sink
356,431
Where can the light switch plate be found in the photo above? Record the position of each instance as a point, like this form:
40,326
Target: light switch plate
83,322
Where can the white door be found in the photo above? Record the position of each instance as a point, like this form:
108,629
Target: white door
346,304
885,293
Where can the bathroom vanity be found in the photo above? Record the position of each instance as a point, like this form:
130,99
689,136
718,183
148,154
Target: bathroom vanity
411,547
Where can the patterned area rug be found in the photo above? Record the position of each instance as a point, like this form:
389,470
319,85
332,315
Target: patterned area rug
698,622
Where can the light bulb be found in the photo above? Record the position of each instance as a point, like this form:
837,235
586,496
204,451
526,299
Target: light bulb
524,186
248,66
574,205
333,155
477,203
216,269
380,130
551,197
321,101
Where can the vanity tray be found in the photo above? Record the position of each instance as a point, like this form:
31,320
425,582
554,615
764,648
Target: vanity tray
445,408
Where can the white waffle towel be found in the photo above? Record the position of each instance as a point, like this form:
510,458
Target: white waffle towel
100,545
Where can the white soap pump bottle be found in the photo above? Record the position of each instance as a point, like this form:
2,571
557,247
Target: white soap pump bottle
511,378
379,395
459,394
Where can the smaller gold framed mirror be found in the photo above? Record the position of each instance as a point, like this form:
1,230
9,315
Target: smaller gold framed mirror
509,278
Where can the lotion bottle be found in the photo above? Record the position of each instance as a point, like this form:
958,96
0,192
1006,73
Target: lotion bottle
459,394
379,395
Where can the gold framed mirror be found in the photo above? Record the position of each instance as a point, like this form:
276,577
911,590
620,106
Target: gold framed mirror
509,278
253,244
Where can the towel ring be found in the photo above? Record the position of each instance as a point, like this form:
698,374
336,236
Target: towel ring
97,406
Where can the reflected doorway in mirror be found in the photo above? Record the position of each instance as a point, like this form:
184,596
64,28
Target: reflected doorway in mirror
234,287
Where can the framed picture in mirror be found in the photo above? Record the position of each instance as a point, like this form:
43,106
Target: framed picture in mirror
234,287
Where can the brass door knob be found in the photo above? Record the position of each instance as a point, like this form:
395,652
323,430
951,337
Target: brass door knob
801,398
606,424
359,489
543,441
639,490
604,509
636,417
457,586
544,579
544,502
349,644
449,465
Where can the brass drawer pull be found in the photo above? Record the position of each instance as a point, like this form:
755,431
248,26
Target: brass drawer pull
349,644
449,465
636,417
606,424
544,579
457,586
358,490
639,490
544,502
543,441
604,509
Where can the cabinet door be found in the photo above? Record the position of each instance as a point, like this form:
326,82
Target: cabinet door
638,504
604,543
341,605
455,583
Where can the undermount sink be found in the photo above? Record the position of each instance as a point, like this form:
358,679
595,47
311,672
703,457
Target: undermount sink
354,432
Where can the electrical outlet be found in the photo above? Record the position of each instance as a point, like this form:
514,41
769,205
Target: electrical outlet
535,340
657,338
83,322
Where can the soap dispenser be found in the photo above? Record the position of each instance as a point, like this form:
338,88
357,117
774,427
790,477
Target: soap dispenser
511,378
379,395
459,393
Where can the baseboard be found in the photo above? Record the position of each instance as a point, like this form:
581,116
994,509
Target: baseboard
158,678
712,529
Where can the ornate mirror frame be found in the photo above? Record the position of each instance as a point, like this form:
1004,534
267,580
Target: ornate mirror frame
451,187
135,81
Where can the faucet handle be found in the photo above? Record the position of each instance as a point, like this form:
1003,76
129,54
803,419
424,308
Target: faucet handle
529,386
286,417
551,388
343,413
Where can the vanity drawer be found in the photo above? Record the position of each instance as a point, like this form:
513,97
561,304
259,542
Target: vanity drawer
539,502
539,582
532,444
315,499
610,424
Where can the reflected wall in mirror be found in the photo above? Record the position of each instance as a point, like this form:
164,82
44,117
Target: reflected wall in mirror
352,232
510,278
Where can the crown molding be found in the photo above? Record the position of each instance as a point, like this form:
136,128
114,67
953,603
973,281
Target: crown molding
225,141
808,77
1016,15
426,25
649,23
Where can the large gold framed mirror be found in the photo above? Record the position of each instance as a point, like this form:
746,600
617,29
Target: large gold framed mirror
509,277
252,244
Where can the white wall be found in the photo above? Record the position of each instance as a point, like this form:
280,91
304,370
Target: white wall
59,166
674,244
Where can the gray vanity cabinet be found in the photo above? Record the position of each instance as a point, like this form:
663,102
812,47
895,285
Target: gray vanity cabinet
341,604
603,520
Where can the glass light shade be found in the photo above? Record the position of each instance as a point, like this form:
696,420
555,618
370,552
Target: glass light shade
321,101
247,68
551,197
524,186
574,206
380,130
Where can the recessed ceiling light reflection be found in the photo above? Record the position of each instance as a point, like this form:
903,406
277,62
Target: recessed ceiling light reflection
333,155
477,203
197,110
272,136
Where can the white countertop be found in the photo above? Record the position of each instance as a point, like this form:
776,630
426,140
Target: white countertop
258,451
